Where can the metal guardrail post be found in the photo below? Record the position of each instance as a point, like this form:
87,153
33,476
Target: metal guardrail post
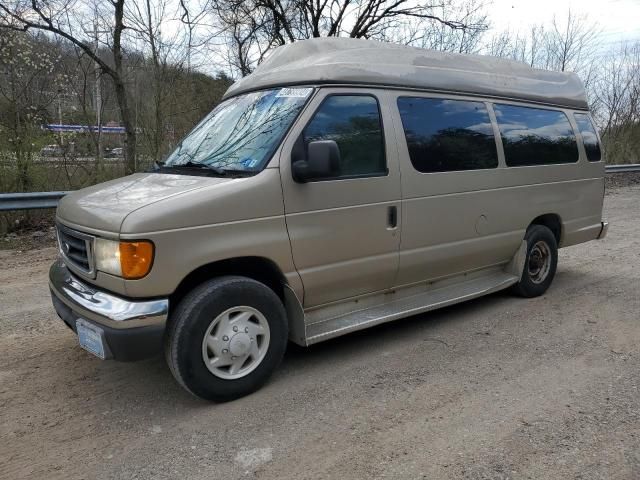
37,200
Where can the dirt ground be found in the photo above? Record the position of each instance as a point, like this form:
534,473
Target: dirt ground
497,388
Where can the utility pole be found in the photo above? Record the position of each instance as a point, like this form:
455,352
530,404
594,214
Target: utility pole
98,87
98,94
135,161
60,114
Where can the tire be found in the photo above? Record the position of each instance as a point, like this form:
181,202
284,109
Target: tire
540,264
213,310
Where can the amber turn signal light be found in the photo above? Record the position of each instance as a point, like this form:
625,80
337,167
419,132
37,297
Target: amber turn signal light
136,259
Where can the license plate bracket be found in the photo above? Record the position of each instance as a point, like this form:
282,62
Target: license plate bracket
91,338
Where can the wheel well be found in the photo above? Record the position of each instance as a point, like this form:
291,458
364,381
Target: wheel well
552,222
257,268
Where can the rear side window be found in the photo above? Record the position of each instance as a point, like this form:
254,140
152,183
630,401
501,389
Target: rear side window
353,122
447,135
589,137
535,136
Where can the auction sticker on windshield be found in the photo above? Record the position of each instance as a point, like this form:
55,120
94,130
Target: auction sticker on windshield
294,92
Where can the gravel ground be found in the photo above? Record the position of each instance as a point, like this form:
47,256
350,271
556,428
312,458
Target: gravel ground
626,179
497,388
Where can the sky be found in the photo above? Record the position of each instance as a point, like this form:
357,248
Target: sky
617,20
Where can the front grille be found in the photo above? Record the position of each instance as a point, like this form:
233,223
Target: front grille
75,248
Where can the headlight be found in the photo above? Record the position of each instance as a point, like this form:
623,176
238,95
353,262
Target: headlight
107,254
130,260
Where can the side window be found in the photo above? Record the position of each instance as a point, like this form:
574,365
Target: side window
447,135
589,137
535,136
353,122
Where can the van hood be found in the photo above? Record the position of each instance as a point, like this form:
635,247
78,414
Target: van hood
105,206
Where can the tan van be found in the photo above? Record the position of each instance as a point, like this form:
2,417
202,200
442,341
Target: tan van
344,184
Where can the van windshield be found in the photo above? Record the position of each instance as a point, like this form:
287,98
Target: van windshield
241,133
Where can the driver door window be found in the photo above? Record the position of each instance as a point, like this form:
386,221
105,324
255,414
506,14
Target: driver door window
354,123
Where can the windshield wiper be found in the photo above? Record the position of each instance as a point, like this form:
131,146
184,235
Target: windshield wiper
191,164
203,166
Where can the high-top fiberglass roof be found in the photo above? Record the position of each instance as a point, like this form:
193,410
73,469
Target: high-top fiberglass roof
349,61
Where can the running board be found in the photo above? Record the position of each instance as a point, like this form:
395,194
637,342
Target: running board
329,322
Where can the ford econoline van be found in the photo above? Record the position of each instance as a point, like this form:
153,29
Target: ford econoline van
343,184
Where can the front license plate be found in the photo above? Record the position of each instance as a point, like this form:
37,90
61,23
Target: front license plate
91,338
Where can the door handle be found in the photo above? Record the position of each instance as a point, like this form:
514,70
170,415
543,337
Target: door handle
392,217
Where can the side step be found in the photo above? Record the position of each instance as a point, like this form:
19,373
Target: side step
402,303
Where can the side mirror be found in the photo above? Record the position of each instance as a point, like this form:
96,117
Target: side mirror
322,161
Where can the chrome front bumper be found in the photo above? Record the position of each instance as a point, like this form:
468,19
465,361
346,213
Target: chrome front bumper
104,308
604,230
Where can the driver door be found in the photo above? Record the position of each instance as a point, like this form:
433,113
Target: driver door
344,230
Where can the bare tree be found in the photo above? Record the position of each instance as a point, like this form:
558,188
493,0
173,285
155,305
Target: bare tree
80,86
570,42
145,19
436,35
617,104
60,18
254,27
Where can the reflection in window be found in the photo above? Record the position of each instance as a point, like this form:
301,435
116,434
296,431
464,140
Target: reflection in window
535,136
353,122
589,137
447,135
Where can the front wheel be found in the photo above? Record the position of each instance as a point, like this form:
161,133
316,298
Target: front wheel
226,338
540,264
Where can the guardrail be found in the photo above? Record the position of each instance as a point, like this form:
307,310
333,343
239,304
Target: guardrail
38,200
630,167
29,201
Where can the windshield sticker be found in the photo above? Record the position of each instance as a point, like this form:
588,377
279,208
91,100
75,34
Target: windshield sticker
294,93
249,162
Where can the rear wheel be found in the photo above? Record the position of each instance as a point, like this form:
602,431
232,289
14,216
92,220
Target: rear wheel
226,338
540,264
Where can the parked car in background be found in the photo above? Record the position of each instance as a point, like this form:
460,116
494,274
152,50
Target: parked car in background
52,151
345,183
117,152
